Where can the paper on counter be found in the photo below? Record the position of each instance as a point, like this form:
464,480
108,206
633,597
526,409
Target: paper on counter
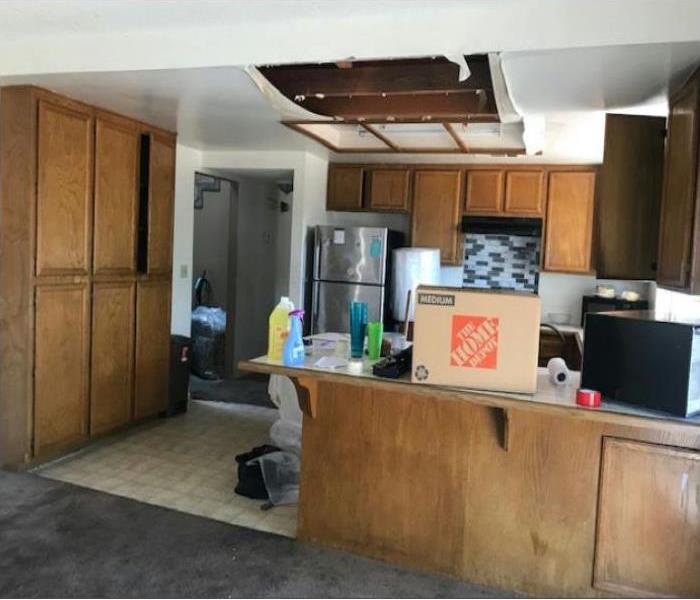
331,362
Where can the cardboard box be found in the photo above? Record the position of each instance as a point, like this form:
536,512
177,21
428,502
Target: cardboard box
479,339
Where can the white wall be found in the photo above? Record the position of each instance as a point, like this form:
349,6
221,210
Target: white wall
562,293
188,161
211,238
256,269
283,244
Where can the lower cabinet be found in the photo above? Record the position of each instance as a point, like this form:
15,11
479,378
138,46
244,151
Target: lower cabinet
648,540
61,346
112,356
152,348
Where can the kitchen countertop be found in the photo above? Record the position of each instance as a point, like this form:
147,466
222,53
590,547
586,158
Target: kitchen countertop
547,398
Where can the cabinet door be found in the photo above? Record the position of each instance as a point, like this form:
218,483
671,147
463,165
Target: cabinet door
679,197
648,540
484,192
116,208
161,205
524,193
64,190
112,362
569,222
345,188
388,189
152,348
61,366
436,208
629,197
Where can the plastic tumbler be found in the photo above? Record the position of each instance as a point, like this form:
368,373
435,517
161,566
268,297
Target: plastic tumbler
375,331
358,325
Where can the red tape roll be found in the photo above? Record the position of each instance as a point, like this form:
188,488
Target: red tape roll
588,398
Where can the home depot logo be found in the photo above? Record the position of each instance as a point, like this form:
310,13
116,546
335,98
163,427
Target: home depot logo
474,342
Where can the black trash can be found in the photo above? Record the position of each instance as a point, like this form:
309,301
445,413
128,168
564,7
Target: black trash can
180,356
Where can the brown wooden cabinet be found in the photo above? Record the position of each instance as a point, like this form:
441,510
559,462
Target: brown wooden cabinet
64,189
648,538
524,195
629,197
569,223
437,202
679,231
389,190
116,195
345,188
69,207
61,341
484,193
152,348
112,355
160,205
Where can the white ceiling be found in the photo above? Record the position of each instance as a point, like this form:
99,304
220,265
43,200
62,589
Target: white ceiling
179,64
221,107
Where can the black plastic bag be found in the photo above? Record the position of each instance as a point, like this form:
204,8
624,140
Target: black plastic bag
250,479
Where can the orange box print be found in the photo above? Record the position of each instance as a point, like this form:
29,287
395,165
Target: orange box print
474,342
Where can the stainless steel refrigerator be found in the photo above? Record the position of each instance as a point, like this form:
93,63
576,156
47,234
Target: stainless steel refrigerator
350,264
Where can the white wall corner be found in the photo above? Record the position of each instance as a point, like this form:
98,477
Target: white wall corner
188,161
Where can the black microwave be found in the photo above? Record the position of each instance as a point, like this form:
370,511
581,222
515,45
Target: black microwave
640,358
596,304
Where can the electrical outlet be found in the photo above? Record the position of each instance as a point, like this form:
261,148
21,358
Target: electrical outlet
184,272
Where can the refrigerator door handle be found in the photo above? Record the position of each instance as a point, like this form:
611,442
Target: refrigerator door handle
314,308
317,254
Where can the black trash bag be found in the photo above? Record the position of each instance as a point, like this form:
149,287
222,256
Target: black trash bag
250,478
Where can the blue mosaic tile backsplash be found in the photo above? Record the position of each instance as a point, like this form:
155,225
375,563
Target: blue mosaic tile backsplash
501,261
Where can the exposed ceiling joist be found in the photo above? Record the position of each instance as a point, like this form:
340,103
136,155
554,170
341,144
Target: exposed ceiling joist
398,89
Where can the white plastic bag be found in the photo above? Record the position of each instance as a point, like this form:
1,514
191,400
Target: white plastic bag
285,431
280,471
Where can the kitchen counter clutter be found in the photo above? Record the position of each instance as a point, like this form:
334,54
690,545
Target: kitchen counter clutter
527,492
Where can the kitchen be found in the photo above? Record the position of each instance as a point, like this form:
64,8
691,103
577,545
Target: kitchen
539,203
523,489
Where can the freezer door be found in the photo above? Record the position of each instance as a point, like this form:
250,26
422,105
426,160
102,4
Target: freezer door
331,305
352,254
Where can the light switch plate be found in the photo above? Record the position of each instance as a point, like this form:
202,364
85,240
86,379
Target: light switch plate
184,271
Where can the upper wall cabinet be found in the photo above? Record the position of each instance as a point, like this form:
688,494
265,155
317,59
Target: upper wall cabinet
64,190
679,253
345,188
437,200
501,192
116,186
524,193
161,204
629,197
569,224
389,190
484,191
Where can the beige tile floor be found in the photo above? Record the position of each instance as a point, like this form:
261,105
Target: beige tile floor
185,463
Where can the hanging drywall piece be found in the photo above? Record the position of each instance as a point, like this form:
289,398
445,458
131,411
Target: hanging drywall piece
461,62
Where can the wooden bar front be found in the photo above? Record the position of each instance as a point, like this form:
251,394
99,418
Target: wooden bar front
540,501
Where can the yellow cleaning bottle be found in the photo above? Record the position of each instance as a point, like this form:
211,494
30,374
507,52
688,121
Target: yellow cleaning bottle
278,328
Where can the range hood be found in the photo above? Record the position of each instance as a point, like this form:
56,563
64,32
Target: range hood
502,226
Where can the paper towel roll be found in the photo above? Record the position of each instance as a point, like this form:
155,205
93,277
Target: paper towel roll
559,373
412,267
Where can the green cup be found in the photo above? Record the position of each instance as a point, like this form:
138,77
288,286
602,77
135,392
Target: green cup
375,331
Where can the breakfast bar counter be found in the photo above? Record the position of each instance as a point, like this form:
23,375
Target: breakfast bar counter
529,493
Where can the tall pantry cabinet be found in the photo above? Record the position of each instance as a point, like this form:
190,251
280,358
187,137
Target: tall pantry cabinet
86,209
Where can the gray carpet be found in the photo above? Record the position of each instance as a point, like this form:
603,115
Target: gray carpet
246,390
59,540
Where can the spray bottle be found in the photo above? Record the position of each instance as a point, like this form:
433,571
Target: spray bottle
293,355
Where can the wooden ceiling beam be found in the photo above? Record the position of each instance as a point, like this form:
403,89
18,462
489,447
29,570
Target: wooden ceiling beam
379,135
456,107
455,136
